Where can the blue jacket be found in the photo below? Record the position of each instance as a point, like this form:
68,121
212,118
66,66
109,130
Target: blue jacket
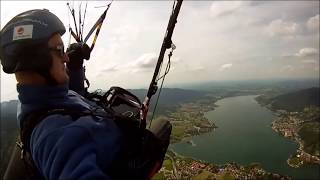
63,148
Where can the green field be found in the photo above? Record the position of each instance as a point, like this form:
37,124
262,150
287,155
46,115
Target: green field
295,161
224,176
310,133
203,175
167,164
159,176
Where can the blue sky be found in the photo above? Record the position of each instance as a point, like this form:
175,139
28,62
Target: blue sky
216,40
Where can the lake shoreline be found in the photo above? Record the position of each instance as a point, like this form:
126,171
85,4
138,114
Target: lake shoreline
287,125
190,151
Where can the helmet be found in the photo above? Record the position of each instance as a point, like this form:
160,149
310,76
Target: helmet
24,40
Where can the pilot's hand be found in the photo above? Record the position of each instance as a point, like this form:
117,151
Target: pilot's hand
76,53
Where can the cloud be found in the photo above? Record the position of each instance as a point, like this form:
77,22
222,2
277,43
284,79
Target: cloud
313,23
287,68
222,8
235,30
145,62
309,61
279,27
121,33
111,68
176,59
304,52
225,66
198,68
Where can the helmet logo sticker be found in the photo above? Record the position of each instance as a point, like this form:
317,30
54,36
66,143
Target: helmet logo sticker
22,32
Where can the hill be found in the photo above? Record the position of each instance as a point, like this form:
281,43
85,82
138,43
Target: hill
170,98
298,100
171,95
9,131
293,101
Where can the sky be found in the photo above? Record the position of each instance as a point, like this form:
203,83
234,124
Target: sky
215,41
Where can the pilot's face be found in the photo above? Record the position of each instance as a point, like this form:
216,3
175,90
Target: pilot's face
59,59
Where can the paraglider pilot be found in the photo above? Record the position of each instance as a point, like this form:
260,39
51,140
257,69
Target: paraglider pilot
62,137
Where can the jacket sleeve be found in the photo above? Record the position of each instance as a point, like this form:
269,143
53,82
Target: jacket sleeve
77,52
82,149
76,80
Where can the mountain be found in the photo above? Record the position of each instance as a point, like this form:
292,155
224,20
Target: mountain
298,100
9,131
169,98
170,95
8,117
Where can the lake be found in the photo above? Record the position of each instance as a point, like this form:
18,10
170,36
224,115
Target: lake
244,135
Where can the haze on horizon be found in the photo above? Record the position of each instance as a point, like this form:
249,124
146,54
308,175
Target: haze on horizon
216,41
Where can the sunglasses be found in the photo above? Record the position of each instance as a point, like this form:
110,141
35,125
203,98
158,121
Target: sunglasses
59,49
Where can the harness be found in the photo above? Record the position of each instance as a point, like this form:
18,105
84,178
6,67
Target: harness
142,151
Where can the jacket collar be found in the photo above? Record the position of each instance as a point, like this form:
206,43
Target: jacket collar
41,94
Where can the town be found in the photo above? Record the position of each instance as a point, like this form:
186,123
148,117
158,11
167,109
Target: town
189,120
179,167
289,124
